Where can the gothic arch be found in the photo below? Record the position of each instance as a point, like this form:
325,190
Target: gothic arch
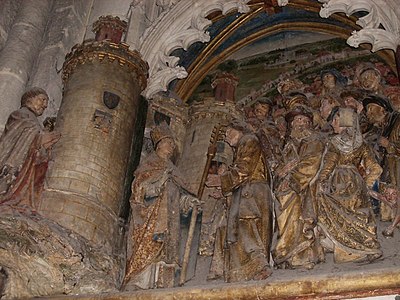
186,23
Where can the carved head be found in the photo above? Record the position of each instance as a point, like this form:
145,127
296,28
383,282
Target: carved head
376,108
36,99
160,132
368,76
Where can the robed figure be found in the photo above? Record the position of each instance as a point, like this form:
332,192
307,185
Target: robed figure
345,217
297,246
159,196
25,152
249,213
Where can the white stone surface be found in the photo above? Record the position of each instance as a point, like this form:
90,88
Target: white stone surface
380,27
184,24
19,53
66,28
8,11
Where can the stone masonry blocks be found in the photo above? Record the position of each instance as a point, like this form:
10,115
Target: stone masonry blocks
91,158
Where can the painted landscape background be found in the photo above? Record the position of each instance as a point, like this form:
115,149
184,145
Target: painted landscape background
262,65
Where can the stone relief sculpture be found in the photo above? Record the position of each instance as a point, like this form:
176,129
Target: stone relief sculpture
297,246
213,224
159,196
384,138
24,152
266,129
249,223
345,216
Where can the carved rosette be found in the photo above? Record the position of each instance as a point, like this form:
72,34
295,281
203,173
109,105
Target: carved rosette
106,51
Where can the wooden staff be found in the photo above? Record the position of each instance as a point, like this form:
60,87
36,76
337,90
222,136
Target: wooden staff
212,149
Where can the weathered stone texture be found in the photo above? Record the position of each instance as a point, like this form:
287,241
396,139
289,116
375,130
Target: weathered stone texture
20,51
66,28
8,11
38,257
88,173
203,116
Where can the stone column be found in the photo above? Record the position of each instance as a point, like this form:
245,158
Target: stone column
85,184
8,11
19,53
66,28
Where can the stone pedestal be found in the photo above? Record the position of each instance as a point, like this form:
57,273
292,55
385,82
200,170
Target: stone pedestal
85,184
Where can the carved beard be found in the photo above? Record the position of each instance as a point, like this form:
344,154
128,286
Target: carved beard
300,132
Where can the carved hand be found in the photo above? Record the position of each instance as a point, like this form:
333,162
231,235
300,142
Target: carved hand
48,139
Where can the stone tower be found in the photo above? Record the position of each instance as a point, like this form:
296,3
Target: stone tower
103,80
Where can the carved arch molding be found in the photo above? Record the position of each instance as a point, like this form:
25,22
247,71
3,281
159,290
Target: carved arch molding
185,23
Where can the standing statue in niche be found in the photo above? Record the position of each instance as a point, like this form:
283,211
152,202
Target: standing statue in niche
297,246
249,220
345,218
159,196
24,152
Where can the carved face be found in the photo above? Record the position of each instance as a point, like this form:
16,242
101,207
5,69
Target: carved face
166,147
37,104
370,80
232,136
261,111
391,194
329,80
375,113
301,122
336,124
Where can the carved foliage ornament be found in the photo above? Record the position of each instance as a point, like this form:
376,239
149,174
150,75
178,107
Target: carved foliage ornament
381,26
183,25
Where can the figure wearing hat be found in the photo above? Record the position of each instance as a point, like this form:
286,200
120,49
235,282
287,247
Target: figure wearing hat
296,246
384,136
159,196
249,216
266,129
369,79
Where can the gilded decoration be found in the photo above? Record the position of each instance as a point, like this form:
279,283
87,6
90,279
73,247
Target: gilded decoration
105,51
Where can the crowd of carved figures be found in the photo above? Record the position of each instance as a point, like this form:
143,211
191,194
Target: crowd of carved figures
311,175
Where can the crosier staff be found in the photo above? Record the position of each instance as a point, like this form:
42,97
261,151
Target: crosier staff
212,149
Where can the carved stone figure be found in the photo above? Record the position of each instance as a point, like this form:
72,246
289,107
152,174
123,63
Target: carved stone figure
159,196
24,152
389,194
213,224
384,136
297,246
345,216
332,84
249,226
264,127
